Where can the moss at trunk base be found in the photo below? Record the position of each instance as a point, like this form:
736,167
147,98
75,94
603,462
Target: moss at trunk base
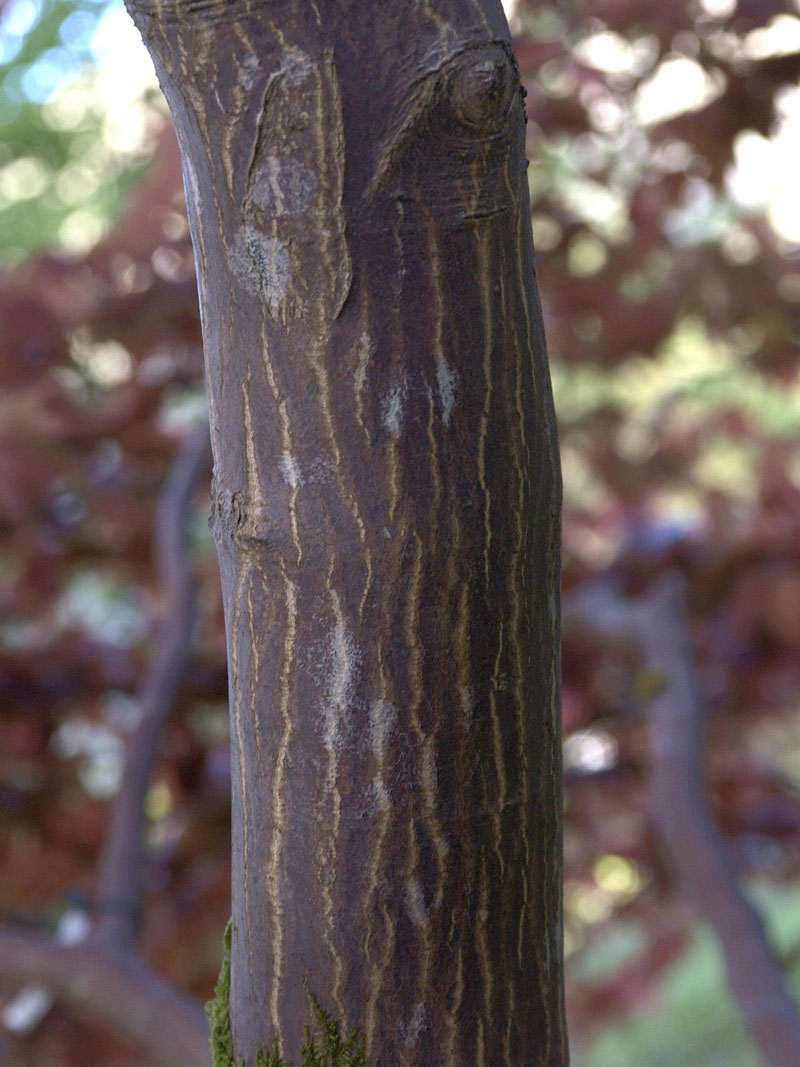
218,1009
324,1045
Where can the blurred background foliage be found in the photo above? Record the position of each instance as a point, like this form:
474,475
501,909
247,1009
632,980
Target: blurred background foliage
76,127
665,148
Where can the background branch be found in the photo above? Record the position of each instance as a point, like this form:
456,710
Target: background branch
119,885
115,987
698,852
102,976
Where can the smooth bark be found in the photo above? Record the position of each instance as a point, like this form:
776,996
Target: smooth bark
385,505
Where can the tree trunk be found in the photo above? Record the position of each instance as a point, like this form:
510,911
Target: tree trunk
386,506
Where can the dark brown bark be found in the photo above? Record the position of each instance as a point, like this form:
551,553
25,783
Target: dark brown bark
386,513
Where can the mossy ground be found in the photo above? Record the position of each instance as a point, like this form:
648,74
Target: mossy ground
324,1045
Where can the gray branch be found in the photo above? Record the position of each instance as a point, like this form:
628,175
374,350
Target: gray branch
698,852
114,987
119,886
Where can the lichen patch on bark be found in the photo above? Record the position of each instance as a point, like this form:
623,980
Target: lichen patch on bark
263,265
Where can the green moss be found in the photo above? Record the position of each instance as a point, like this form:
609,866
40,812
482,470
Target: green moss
324,1045
218,1009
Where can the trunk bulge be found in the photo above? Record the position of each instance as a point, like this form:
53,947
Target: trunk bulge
386,512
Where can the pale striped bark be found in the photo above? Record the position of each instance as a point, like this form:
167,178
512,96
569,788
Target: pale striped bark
386,513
